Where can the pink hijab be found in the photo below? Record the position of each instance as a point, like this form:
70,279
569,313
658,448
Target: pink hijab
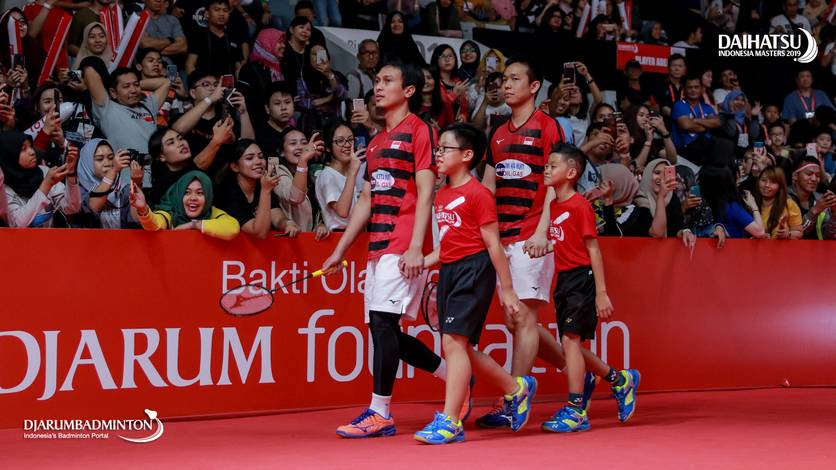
626,185
263,51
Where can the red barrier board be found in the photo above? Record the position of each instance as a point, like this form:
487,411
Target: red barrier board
103,324
653,58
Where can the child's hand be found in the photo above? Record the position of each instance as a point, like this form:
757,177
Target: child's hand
509,300
603,305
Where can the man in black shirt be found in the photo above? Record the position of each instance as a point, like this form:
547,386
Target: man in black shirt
280,117
212,48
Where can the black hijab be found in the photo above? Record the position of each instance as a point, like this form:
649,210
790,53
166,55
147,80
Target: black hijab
468,71
23,181
398,46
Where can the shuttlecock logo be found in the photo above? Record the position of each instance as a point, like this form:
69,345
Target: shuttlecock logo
152,416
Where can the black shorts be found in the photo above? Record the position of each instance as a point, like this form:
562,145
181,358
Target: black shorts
465,292
574,302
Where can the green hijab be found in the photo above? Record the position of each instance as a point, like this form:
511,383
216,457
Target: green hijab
172,202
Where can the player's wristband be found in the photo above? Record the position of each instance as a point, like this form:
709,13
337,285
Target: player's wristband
300,169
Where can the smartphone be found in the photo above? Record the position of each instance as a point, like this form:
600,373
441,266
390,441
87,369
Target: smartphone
19,59
568,73
611,126
56,98
812,150
491,62
652,113
171,72
359,143
227,81
272,166
358,104
669,173
694,191
321,56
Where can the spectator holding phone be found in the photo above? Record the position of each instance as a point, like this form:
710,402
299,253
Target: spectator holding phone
649,137
104,190
366,120
728,83
492,109
325,88
294,185
825,223
247,191
22,69
806,176
660,211
172,156
186,206
337,186
781,215
35,193
824,152
739,216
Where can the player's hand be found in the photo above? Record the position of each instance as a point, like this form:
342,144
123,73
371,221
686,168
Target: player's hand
603,305
333,262
411,263
537,246
509,301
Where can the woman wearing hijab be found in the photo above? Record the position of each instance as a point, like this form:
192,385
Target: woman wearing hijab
396,44
94,43
186,206
470,54
620,188
263,69
104,186
34,193
738,122
662,210
325,88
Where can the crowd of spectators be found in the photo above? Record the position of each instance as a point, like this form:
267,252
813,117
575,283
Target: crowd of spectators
233,118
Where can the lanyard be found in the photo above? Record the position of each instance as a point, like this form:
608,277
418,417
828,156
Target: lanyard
673,98
743,129
694,113
804,103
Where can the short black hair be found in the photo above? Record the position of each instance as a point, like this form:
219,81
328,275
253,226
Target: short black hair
209,3
569,153
692,28
141,53
468,137
155,142
299,21
689,78
594,126
199,74
675,57
303,5
114,76
535,72
411,75
283,87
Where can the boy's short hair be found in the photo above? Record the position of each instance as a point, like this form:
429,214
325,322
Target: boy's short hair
282,87
114,76
594,126
411,75
209,3
535,72
572,155
142,52
675,57
468,137
776,125
198,75
303,5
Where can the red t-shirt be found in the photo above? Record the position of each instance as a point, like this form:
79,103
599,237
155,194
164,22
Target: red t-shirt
393,158
519,157
460,213
573,221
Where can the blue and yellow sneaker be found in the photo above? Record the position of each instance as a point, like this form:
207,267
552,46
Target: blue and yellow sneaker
498,417
625,395
588,387
442,430
519,404
567,419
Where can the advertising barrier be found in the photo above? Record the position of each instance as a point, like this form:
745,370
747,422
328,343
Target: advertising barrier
104,324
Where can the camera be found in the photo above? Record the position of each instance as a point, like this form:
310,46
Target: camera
139,157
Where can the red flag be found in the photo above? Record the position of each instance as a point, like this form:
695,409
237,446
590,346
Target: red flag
130,40
111,19
15,46
55,53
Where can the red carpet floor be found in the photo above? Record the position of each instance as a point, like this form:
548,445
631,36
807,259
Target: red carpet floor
760,429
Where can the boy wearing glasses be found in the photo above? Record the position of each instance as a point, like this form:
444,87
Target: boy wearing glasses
395,203
471,259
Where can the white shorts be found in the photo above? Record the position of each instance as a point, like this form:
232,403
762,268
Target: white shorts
532,277
386,290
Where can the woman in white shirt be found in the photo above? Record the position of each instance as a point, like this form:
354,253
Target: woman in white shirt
337,184
34,192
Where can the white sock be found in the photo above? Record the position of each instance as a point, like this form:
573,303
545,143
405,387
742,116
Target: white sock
380,404
441,372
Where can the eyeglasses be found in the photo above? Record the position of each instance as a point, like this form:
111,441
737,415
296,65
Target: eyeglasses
368,52
448,56
442,149
468,50
343,141
206,84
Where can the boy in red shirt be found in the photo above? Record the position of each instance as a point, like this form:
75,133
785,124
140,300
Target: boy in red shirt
396,203
580,292
471,258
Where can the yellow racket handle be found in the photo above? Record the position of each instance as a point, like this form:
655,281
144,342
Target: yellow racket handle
320,272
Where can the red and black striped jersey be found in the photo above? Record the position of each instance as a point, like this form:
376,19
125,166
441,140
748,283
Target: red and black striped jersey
519,157
393,158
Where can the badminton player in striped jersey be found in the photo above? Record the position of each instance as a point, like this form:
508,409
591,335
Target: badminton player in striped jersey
396,203
517,154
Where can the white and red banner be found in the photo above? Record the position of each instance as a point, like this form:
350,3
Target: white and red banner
56,53
111,18
15,46
130,320
653,58
129,43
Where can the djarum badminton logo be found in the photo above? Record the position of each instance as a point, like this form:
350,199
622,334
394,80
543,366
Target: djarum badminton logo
93,428
770,45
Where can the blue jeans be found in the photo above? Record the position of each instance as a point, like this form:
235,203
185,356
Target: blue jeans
327,13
